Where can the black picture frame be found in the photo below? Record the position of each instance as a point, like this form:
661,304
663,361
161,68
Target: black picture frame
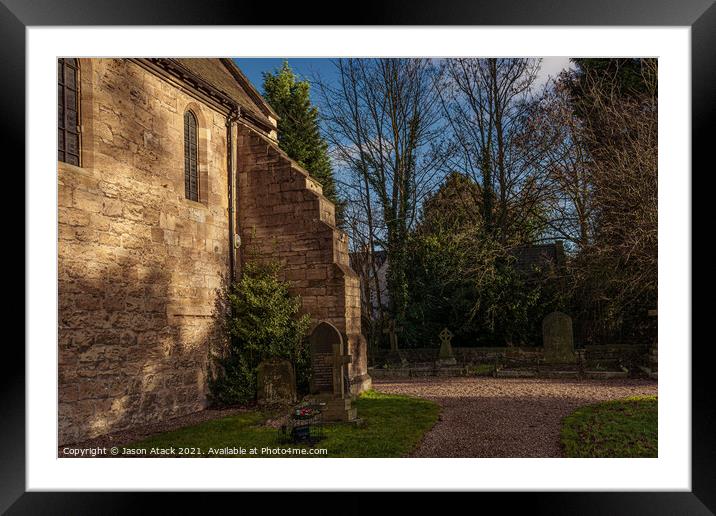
700,15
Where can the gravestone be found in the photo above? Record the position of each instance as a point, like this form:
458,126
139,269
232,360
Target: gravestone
276,383
558,339
394,356
328,365
446,357
392,331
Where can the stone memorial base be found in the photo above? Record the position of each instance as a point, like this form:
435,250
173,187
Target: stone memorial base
337,409
360,384
564,357
446,362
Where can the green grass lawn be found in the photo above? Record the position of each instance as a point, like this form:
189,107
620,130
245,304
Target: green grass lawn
619,428
392,427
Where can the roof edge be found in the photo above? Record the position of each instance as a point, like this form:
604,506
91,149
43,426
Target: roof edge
245,83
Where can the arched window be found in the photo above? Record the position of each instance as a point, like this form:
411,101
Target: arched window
68,124
191,145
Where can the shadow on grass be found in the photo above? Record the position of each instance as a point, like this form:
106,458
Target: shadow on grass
392,427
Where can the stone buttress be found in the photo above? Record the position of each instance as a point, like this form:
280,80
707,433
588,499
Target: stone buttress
283,215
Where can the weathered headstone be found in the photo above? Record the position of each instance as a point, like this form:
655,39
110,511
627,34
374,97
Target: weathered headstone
276,383
392,331
446,357
328,365
557,338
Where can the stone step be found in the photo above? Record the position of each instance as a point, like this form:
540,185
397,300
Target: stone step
599,375
558,367
515,373
379,372
416,372
450,371
421,372
558,374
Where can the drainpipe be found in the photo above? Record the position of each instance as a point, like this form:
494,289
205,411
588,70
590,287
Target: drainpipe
231,118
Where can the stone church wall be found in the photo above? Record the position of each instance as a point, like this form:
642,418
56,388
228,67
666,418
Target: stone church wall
138,264
284,216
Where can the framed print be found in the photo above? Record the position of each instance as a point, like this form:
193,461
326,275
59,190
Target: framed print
422,249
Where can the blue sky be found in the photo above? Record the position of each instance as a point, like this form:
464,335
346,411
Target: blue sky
309,67
305,68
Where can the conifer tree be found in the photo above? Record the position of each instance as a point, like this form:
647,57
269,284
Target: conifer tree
298,131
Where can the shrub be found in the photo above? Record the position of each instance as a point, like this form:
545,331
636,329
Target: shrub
469,282
262,321
464,273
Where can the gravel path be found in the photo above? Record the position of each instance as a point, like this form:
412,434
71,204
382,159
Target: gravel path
504,417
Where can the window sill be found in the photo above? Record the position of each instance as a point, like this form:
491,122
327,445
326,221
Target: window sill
67,166
195,204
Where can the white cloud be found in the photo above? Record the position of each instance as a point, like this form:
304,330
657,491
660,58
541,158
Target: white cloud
551,67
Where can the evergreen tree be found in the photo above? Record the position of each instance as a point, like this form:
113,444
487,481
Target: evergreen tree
263,321
298,131
628,77
464,277
598,86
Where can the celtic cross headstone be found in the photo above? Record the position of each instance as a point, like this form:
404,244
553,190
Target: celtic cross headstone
446,356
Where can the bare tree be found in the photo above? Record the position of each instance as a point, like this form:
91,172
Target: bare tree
383,123
624,175
485,102
615,276
554,142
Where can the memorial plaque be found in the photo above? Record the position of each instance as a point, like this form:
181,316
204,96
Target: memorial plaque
328,364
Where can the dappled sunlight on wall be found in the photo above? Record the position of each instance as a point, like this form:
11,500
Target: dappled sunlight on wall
138,265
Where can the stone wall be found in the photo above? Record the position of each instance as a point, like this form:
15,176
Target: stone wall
602,355
138,264
283,215
612,355
476,355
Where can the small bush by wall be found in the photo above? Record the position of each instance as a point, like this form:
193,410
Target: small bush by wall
262,320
